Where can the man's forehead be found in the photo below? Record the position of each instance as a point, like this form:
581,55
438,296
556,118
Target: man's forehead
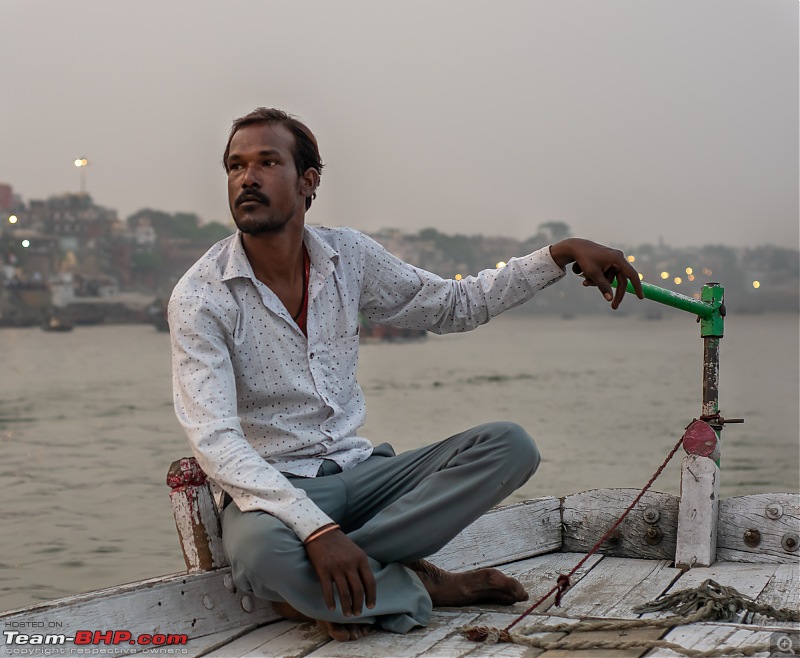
262,137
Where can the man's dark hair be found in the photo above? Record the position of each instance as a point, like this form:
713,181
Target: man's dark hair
306,152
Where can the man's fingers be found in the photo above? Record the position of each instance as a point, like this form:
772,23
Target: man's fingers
622,284
327,592
370,589
356,592
636,282
599,279
343,587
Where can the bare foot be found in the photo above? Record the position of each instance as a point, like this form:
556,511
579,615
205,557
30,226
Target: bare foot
467,588
344,632
338,632
290,612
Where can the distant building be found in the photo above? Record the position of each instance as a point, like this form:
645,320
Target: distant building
6,197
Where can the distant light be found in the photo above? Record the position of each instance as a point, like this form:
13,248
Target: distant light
458,277
631,259
500,265
641,276
691,277
26,243
81,162
13,219
678,280
706,271
756,284
665,275
689,270
696,295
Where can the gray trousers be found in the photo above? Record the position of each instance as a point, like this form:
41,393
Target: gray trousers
396,508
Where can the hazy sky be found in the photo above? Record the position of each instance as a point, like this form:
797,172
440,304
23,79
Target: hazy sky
630,120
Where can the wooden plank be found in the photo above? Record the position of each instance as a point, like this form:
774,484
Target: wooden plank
538,575
702,637
505,534
697,513
618,585
587,516
412,644
759,528
782,591
203,646
283,639
196,604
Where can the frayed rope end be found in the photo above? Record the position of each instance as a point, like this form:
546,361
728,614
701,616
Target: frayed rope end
486,634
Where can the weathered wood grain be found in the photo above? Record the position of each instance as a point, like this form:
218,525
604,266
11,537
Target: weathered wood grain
196,516
616,586
759,528
283,639
196,604
416,643
649,531
697,513
505,534
202,646
782,591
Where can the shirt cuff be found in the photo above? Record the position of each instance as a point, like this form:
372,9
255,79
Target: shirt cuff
540,269
304,518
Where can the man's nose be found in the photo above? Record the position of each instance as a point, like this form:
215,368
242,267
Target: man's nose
250,178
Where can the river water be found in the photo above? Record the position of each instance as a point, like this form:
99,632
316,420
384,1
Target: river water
87,430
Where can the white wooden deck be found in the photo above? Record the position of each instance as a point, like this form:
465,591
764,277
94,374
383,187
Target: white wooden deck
535,541
607,587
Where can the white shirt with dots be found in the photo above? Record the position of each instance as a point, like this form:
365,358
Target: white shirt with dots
258,398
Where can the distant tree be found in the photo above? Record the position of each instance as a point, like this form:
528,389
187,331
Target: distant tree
180,225
185,225
160,221
556,231
429,234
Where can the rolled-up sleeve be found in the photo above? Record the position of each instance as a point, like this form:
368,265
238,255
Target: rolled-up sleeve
204,389
401,295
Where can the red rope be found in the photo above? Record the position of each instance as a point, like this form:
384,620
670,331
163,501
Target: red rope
562,584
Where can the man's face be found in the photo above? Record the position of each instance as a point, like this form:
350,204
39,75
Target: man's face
264,189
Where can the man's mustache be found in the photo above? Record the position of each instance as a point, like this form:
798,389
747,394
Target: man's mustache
251,195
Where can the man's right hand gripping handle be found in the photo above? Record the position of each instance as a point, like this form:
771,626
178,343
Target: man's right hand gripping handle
340,563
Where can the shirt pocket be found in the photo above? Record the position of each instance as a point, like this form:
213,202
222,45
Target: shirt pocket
338,364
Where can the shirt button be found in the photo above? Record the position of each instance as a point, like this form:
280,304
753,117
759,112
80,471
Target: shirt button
311,356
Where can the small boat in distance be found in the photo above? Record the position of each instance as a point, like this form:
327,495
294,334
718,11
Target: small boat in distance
57,323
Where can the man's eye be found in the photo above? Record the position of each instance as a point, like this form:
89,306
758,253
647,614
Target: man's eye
234,166
269,163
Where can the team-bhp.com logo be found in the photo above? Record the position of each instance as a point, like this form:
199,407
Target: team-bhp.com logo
784,645
93,638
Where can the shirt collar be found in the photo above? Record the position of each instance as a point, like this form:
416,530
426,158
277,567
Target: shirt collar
323,257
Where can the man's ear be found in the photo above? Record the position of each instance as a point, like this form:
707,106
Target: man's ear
309,182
